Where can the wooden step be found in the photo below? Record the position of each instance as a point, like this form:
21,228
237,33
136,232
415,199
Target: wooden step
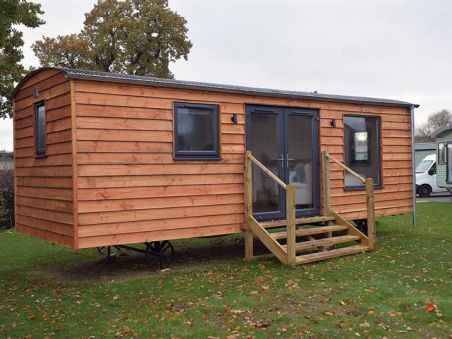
307,258
299,221
326,242
310,231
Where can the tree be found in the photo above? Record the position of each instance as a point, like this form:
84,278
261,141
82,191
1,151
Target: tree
434,121
13,13
64,51
140,37
6,190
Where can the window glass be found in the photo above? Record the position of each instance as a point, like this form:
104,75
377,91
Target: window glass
423,166
196,130
362,153
40,129
432,171
449,162
441,154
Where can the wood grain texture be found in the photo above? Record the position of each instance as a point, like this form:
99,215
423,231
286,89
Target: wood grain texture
125,153
114,143
44,187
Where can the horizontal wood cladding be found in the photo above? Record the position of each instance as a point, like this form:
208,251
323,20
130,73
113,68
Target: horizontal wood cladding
159,180
228,102
395,196
44,192
165,232
159,202
192,212
130,187
50,233
156,225
159,169
157,191
131,190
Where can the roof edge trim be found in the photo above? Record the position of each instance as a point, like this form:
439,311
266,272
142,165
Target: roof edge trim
32,74
210,87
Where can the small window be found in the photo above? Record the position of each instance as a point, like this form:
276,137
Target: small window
196,131
362,149
40,129
441,154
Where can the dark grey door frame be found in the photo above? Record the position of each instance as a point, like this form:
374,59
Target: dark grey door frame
283,147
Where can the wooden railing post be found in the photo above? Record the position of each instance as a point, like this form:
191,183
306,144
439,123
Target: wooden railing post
249,252
326,183
291,230
370,202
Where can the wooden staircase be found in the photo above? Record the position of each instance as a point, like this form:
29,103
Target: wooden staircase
304,240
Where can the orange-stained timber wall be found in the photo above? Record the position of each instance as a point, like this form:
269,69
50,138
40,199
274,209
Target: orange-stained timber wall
110,178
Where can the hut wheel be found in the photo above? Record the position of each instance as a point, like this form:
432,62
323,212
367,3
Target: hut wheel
108,251
162,250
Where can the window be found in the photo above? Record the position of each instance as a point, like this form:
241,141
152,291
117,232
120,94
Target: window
40,129
362,149
196,131
423,166
441,154
449,163
432,170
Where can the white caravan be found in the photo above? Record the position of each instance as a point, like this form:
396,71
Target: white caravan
426,177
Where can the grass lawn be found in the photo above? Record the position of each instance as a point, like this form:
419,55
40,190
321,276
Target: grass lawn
51,291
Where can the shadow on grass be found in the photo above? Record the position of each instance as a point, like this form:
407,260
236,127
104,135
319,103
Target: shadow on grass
128,264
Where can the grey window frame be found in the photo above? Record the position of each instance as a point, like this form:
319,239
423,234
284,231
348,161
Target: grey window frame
379,183
198,155
42,152
442,159
448,161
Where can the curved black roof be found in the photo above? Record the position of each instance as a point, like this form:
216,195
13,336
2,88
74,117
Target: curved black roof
204,86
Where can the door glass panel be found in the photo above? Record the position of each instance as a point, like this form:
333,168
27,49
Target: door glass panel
264,141
299,159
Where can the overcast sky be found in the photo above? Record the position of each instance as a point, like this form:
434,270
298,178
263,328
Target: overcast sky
390,49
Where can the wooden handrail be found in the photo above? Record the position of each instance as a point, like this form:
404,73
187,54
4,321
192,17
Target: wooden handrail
290,209
349,170
370,200
266,170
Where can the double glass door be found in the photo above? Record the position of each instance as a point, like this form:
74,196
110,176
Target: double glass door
285,140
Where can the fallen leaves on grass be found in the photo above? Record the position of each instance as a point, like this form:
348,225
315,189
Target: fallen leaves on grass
292,285
431,308
260,324
394,313
126,332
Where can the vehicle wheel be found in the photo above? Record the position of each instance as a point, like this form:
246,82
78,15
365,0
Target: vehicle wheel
425,191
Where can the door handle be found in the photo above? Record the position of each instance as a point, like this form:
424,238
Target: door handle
282,158
288,159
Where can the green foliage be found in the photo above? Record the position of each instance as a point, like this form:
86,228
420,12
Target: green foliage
6,191
64,51
140,37
6,198
434,121
13,13
211,291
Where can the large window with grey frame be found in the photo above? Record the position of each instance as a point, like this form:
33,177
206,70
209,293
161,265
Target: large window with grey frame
196,131
40,129
362,149
449,163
